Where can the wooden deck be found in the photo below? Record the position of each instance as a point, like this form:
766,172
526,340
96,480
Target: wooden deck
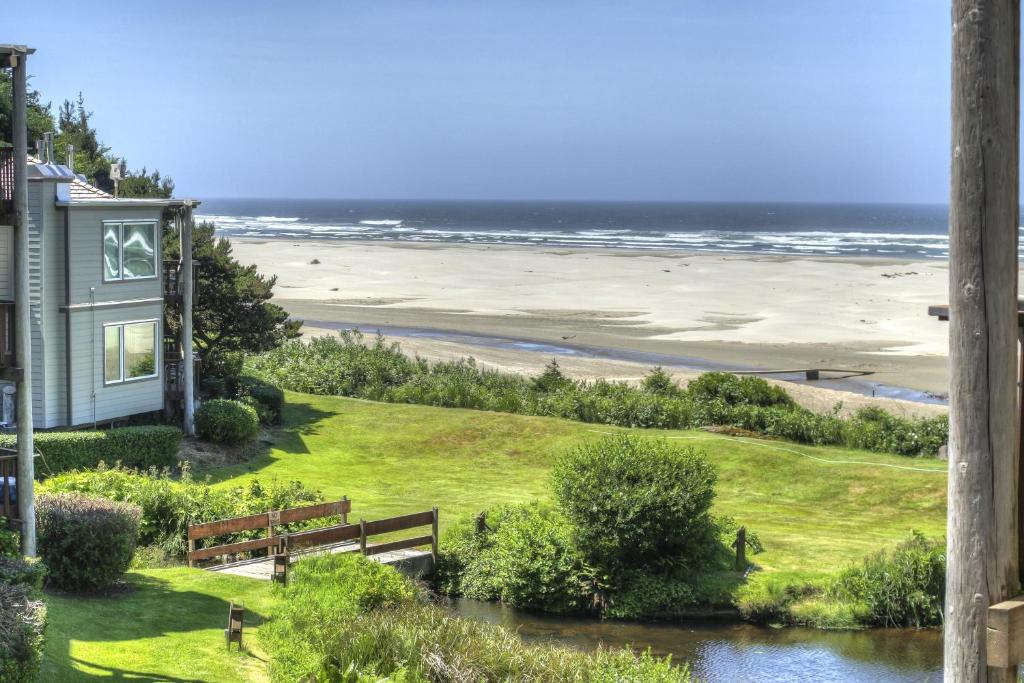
415,563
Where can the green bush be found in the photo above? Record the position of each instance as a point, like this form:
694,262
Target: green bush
136,447
637,503
219,372
903,587
524,556
10,545
169,505
344,618
347,366
85,542
22,625
19,571
226,421
643,595
265,398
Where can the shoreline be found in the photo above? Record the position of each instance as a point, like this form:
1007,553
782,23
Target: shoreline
752,311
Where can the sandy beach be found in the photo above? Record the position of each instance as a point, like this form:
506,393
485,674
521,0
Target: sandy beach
726,310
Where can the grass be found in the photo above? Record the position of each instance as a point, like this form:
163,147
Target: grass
167,626
391,459
813,517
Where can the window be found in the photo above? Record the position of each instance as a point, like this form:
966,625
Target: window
129,251
129,351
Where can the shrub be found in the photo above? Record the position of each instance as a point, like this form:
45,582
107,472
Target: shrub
226,421
737,390
22,625
18,571
137,447
169,506
267,399
85,542
645,595
657,381
343,618
552,379
524,556
637,503
10,545
903,587
220,370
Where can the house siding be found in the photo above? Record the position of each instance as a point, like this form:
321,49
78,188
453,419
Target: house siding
6,263
40,204
92,401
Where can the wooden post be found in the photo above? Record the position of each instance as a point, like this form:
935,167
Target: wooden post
191,549
362,536
433,539
741,548
344,514
185,223
982,512
22,311
233,633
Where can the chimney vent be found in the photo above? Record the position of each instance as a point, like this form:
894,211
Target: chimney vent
71,158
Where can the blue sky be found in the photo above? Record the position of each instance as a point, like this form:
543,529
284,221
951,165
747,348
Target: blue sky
794,101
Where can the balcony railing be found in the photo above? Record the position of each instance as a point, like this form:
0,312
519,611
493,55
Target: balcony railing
6,184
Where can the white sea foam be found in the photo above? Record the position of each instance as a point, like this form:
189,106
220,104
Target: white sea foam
382,222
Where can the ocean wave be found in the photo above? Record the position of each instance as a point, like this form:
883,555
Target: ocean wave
381,222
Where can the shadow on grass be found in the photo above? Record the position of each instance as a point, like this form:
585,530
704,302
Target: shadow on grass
299,420
118,674
150,609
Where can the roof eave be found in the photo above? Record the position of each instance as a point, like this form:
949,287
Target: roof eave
140,203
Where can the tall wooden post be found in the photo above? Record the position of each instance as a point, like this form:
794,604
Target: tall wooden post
185,225
22,303
982,541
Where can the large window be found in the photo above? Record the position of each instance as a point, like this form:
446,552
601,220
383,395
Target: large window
129,351
129,251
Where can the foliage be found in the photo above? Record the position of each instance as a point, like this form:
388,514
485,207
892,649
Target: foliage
86,542
22,571
220,372
10,543
38,113
645,594
265,398
137,447
226,421
736,390
343,618
347,365
22,625
235,312
772,600
169,506
900,588
523,555
637,503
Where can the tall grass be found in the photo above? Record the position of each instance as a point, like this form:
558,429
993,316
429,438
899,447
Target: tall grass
348,365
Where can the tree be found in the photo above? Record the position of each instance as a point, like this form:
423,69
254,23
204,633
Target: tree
40,118
233,311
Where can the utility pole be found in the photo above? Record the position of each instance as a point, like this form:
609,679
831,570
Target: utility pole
982,535
22,302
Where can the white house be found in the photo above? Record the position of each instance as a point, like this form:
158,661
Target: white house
98,287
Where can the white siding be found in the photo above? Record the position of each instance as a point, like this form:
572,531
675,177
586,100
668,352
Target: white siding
6,262
87,252
40,204
55,371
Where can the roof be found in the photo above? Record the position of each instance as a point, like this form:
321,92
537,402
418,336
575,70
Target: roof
8,49
84,194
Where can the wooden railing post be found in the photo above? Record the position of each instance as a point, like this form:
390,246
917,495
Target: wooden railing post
362,536
433,544
344,509
981,567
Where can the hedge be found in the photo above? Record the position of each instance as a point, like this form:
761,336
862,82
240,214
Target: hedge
135,447
22,620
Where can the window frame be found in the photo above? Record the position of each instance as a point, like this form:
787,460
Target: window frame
122,379
120,250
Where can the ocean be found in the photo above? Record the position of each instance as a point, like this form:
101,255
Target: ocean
916,231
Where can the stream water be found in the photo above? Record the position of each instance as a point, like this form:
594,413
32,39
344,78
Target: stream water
727,652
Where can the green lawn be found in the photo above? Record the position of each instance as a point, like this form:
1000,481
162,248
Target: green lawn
812,517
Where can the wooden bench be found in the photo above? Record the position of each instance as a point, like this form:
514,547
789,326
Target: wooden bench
265,520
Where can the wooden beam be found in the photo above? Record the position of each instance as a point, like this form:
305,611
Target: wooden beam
1005,638
22,310
981,567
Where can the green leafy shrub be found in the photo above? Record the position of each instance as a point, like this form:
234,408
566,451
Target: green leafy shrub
21,571
10,545
637,503
347,366
343,618
771,600
903,587
643,595
226,421
265,398
169,505
220,370
22,626
137,447
524,556
86,542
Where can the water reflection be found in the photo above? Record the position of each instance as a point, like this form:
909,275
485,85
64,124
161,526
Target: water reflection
734,653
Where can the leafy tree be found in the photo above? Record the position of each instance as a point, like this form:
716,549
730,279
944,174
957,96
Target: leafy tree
233,311
40,119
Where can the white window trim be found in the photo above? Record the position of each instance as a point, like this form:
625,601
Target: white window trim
120,251
120,356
